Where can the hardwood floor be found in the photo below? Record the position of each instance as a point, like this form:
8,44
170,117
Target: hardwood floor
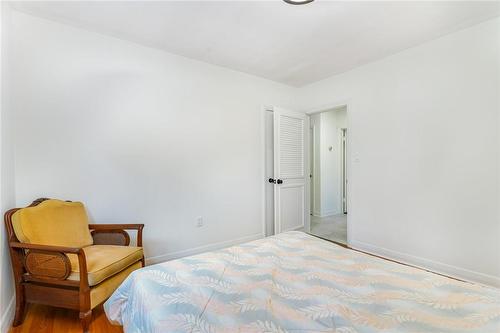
45,319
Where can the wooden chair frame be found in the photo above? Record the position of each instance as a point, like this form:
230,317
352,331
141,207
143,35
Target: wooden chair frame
51,287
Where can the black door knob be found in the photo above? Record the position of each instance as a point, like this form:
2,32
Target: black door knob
272,180
279,181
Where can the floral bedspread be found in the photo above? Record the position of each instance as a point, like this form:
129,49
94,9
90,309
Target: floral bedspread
294,282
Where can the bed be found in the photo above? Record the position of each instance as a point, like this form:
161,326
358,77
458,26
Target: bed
294,282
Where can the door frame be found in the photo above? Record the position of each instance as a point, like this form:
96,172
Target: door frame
312,164
310,111
263,144
343,170
325,107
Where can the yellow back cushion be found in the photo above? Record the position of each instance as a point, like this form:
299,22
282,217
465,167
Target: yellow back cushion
53,222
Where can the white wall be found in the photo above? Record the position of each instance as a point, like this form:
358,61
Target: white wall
139,135
6,174
424,127
341,119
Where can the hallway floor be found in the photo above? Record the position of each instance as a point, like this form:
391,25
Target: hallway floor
330,227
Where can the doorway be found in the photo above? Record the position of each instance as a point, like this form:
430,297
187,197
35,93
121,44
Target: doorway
296,201
329,174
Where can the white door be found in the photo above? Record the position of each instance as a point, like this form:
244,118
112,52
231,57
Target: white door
290,171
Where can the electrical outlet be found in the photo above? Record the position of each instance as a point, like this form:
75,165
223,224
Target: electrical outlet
199,222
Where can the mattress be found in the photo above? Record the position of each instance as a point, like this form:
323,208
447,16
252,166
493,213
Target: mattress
294,282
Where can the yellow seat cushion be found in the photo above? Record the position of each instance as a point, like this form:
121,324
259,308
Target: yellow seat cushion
53,222
104,261
102,291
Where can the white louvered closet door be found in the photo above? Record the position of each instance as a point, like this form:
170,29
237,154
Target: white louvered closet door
290,172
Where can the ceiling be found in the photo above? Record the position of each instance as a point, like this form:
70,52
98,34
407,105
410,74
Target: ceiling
294,45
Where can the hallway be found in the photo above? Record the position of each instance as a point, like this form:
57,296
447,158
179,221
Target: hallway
332,227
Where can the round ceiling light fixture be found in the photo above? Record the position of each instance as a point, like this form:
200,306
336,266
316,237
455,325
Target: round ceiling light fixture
299,2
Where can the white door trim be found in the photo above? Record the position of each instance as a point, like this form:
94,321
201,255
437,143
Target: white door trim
264,109
343,170
312,168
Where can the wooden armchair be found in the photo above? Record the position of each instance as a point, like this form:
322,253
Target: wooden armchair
59,259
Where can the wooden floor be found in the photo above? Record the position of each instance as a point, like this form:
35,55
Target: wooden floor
45,319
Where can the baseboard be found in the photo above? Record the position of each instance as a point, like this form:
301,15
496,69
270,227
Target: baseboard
427,264
7,316
201,249
325,214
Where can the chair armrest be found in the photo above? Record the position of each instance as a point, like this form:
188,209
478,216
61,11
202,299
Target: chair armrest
116,226
119,229
48,248
59,252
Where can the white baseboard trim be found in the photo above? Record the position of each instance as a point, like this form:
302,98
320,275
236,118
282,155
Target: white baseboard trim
7,316
427,264
201,249
325,214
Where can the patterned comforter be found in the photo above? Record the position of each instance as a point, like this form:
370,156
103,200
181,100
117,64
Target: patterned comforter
294,282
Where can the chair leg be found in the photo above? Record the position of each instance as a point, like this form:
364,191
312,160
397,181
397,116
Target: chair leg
20,306
86,318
